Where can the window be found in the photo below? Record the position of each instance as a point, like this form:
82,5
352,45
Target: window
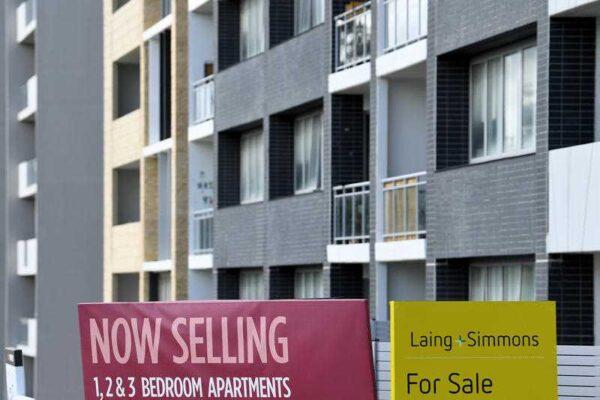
160,286
126,194
307,153
308,283
252,28
251,285
308,13
514,282
503,99
252,167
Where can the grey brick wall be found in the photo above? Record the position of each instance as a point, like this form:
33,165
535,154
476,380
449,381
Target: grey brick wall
496,208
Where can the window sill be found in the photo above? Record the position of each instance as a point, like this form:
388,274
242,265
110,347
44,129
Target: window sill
252,201
483,160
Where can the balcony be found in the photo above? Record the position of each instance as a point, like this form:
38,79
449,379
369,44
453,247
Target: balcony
574,195
404,231
27,257
27,178
28,100
26,21
28,341
203,108
405,22
353,37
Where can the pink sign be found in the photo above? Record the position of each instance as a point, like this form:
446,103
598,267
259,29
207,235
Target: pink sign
301,350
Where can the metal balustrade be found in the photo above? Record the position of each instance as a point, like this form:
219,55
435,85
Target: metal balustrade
405,22
351,213
404,207
203,99
202,232
353,36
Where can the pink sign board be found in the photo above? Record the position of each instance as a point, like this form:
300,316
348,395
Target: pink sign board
301,350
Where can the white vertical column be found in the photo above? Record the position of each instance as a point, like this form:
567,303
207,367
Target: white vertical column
381,298
597,299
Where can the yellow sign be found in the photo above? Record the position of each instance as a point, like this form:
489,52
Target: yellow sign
473,350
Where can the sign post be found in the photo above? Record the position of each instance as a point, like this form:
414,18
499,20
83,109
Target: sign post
468,350
301,350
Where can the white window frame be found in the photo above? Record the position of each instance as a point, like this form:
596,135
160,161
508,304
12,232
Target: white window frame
261,178
484,59
299,274
261,31
252,276
320,156
313,23
489,266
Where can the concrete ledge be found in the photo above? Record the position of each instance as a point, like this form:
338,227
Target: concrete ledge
404,250
200,261
560,6
351,78
158,147
348,253
201,130
402,58
157,266
158,27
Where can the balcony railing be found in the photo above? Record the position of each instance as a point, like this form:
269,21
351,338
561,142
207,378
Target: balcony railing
202,232
204,100
353,37
405,22
27,178
26,19
28,340
404,207
165,7
27,257
351,213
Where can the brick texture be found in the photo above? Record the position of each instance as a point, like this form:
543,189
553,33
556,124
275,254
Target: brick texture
572,81
571,286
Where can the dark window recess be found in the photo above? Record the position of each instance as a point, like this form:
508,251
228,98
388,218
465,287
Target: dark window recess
127,194
281,21
228,41
571,82
228,284
165,85
347,281
127,84
118,4
228,169
350,144
126,287
281,282
452,280
153,282
281,156
452,136
571,286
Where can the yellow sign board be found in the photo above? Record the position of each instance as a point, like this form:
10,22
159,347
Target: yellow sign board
473,350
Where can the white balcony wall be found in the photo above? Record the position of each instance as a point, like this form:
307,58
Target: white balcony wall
407,131
574,196
164,206
28,342
201,284
201,180
27,257
201,50
27,178
26,21
28,100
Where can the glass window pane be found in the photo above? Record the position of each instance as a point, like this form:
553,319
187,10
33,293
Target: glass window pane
401,22
302,15
477,284
413,19
529,97
390,26
318,11
477,110
512,101
494,107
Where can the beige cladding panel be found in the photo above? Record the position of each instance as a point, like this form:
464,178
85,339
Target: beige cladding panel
125,140
126,248
126,29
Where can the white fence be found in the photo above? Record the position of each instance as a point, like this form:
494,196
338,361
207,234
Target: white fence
578,371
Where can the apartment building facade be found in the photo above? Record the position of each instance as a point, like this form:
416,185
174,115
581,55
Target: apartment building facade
50,181
387,150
